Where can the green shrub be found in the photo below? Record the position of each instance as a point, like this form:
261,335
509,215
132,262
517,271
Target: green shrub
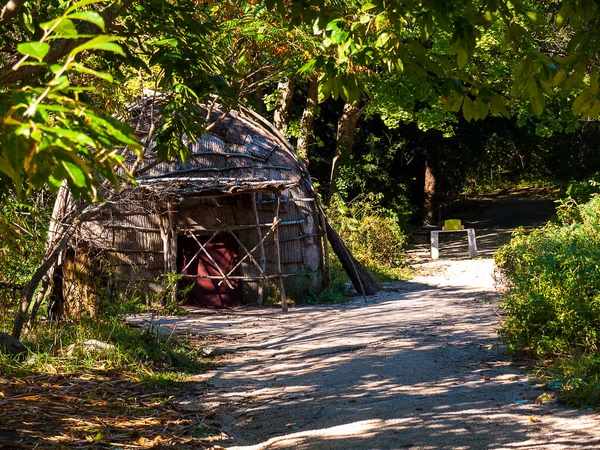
372,233
552,298
577,193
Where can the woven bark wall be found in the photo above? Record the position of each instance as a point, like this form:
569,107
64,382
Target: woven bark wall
213,188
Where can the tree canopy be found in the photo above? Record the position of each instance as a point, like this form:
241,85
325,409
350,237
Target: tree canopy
68,68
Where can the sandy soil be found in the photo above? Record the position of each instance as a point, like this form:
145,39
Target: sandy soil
418,366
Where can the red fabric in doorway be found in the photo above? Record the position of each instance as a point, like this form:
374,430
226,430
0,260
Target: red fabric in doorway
213,293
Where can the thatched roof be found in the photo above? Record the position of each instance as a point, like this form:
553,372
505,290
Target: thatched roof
238,154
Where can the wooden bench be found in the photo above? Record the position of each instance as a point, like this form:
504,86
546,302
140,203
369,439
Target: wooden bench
435,241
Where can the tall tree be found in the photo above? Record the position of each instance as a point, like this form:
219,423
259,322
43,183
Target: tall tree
345,140
308,117
285,95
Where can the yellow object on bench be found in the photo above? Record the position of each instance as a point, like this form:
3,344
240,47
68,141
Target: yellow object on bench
452,224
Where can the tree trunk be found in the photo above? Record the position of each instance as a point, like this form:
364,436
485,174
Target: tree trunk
345,141
259,103
42,271
429,190
281,114
56,246
308,116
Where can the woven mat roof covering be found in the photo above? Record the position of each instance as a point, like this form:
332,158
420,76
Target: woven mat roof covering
238,154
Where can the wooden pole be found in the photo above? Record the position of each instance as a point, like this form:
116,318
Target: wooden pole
164,235
472,242
284,305
361,279
435,243
263,257
172,247
324,240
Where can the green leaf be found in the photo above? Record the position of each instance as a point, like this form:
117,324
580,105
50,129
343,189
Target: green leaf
382,39
54,184
307,67
455,101
101,42
364,19
381,21
536,99
482,107
469,109
82,69
335,87
73,136
37,50
368,6
594,111
334,24
324,89
6,167
563,14
89,16
83,3
63,28
168,41
28,20
59,83
499,107
559,78
536,18
581,103
75,173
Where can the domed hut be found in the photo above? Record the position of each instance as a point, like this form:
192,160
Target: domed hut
239,220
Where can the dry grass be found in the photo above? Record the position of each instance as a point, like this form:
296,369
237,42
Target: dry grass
100,411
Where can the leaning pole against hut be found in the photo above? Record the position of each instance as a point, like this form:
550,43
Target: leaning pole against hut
361,279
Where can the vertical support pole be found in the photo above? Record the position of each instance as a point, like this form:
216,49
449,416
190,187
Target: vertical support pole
172,239
263,257
472,243
164,236
284,306
324,240
168,234
435,241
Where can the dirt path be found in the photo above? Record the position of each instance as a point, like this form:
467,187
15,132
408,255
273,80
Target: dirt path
418,366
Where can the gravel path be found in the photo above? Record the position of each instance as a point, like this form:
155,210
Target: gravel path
418,366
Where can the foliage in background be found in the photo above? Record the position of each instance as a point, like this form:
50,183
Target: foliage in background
23,229
48,132
576,194
552,300
372,233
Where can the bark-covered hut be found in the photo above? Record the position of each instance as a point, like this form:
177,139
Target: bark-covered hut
239,219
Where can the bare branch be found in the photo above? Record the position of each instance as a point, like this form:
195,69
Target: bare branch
10,10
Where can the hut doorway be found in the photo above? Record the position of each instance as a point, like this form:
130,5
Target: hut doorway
203,260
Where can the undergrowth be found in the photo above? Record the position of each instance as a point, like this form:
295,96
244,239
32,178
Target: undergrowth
552,301
373,234
138,354
479,187
375,237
